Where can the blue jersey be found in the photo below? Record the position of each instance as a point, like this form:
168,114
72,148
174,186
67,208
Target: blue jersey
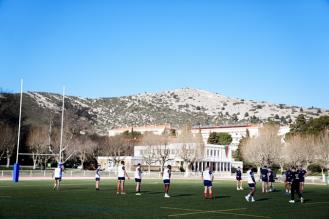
271,176
294,177
288,176
301,175
238,173
264,174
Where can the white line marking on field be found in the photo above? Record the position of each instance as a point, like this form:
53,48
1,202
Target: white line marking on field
224,211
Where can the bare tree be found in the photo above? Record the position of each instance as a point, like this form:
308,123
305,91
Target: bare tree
294,153
162,151
149,155
301,149
191,149
308,149
86,148
265,148
7,141
116,147
72,128
322,151
37,141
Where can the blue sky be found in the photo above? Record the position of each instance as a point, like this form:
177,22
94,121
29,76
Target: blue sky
276,50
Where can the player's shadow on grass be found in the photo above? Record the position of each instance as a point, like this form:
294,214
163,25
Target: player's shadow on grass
307,200
154,193
221,196
262,199
181,195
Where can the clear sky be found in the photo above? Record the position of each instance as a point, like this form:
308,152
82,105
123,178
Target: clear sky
274,50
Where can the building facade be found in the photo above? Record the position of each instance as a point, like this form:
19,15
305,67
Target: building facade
217,156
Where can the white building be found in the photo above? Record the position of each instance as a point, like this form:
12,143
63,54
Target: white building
236,131
217,156
110,163
155,129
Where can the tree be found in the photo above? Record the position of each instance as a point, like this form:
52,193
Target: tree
149,155
86,148
73,126
38,143
116,147
162,151
312,126
220,138
265,148
7,141
322,150
294,150
191,148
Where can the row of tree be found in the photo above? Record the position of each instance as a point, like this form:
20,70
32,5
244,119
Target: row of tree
298,148
79,147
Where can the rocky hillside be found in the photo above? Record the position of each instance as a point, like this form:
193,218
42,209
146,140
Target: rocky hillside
177,107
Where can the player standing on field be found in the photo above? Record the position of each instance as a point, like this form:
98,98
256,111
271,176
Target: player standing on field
301,173
295,186
251,184
264,178
166,175
239,179
138,179
98,176
121,178
271,179
58,176
207,177
288,181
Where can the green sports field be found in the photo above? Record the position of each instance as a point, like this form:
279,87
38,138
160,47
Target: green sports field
79,199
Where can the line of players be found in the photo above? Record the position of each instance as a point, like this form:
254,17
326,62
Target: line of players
122,175
294,181
293,178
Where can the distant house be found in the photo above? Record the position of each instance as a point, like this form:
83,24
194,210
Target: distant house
155,129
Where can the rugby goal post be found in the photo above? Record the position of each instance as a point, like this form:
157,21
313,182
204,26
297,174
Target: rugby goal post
16,167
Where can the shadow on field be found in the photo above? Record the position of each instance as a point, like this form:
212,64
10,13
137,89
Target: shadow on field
155,193
262,199
181,195
307,200
221,196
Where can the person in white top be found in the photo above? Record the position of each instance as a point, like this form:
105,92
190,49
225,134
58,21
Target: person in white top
252,185
207,177
98,176
138,179
57,175
166,175
121,178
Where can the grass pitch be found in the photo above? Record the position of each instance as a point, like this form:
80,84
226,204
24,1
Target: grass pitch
79,199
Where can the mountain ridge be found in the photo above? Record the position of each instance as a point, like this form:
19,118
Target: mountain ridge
177,107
